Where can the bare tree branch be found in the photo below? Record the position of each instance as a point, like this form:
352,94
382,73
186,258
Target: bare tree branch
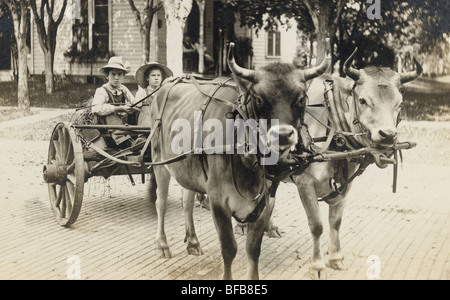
137,15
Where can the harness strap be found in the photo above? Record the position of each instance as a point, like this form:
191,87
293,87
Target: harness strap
157,124
340,190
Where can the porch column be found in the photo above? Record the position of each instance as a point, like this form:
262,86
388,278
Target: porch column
201,38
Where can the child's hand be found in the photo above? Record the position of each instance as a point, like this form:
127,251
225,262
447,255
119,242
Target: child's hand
126,108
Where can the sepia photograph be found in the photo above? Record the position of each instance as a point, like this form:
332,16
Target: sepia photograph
192,141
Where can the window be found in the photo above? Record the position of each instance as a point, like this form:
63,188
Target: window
100,30
273,43
80,29
91,33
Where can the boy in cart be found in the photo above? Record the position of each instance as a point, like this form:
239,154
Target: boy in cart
112,102
149,77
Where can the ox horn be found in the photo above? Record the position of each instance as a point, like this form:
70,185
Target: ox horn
410,76
349,70
237,70
320,69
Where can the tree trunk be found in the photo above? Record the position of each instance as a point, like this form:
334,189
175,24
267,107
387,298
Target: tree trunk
322,32
146,46
23,97
146,38
20,33
177,12
49,82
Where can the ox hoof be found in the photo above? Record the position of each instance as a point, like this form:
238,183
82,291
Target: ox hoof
337,264
318,274
274,232
163,252
318,270
194,250
240,229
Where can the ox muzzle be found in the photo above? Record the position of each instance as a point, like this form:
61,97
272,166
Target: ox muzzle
285,137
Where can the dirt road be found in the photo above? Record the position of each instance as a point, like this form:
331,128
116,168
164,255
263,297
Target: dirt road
113,238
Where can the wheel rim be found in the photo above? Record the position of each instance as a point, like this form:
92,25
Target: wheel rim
66,195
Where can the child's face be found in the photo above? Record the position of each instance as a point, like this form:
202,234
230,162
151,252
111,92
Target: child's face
154,78
115,77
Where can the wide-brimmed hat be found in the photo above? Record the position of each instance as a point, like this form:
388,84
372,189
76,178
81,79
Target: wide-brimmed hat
116,62
142,71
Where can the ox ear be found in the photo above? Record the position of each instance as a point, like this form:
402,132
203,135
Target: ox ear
243,84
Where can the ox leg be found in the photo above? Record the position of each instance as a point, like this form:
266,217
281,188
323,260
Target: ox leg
335,218
162,179
152,187
228,245
308,197
253,246
271,229
193,245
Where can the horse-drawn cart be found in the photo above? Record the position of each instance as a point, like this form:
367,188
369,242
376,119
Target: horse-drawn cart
79,151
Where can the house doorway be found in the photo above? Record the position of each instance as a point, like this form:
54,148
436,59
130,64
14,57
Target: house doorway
190,40
6,39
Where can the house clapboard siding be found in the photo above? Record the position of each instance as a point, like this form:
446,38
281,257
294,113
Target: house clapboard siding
125,41
288,45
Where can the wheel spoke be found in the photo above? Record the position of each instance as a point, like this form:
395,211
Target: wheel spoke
68,200
69,153
52,191
71,167
59,196
63,144
57,150
63,202
71,178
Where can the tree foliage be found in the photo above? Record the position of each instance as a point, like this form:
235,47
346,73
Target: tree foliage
422,23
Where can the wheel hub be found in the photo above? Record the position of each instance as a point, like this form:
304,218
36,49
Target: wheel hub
55,173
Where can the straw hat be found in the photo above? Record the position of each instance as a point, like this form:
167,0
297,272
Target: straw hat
115,62
142,71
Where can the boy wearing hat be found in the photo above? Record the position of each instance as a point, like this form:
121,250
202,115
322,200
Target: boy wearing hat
149,77
112,101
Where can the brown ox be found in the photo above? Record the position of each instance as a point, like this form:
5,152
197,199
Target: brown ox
371,96
234,188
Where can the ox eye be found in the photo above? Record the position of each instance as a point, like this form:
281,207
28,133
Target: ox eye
259,101
300,101
362,101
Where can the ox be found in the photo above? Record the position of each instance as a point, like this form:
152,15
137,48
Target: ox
235,189
371,103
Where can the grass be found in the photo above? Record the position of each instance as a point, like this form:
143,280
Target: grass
427,100
66,95
424,99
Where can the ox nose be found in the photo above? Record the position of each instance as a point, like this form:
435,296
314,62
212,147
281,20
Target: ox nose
285,135
388,136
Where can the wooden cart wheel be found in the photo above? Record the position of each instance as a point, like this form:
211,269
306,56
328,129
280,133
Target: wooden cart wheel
65,174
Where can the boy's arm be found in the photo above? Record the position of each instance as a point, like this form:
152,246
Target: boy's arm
100,105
